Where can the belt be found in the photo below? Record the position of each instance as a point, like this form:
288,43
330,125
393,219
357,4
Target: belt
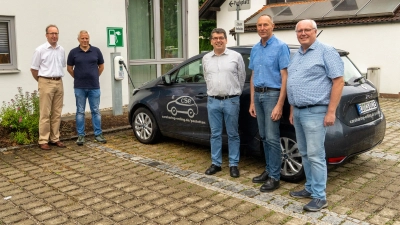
51,78
265,89
223,97
309,106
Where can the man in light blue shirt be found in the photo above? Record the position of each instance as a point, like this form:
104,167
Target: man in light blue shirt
315,84
269,59
224,72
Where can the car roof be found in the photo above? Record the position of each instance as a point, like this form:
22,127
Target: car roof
246,48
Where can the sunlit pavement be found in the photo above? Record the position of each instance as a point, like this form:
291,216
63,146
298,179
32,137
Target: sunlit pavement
126,182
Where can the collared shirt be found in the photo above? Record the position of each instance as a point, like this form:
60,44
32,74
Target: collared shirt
86,67
224,74
310,74
268,61
49,61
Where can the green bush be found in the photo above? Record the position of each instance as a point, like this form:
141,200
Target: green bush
21,117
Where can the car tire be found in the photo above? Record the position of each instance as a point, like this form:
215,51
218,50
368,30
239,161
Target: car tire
292,167
145,127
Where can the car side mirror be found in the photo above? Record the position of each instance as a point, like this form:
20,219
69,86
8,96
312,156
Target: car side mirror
167,79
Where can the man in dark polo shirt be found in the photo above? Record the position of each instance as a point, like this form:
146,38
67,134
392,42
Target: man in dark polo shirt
85,63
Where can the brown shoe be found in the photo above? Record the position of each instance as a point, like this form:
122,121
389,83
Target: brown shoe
58,144
44,146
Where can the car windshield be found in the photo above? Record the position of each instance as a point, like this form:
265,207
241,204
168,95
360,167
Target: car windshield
350,71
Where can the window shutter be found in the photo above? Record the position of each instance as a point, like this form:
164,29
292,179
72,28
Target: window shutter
4,42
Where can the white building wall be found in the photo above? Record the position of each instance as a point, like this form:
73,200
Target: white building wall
372,45
31,19
193,28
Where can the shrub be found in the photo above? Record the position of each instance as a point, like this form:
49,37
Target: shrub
21,117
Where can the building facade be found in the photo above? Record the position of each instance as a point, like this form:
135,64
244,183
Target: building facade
370,38
156,35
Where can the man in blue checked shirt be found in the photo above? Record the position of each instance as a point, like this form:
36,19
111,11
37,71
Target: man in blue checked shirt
269,59
314,88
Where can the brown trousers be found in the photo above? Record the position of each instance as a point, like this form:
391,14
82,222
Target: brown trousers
51,97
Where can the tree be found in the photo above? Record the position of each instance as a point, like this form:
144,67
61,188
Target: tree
205,28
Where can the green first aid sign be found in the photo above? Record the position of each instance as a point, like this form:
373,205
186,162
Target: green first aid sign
115,37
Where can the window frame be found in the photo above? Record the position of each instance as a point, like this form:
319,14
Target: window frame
12,66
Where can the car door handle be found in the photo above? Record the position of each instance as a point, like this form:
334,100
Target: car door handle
201,95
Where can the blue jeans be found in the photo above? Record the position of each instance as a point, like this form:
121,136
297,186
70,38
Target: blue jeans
310,134
93,95
264,103
227,111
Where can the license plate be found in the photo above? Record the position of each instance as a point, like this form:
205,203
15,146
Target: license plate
366,107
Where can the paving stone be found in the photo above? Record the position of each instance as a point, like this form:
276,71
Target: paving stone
89,218
40,209
32,204
13,219
245,220
199,216
166,219
48,215
25,222
142,208
101,205
151,214
186,211
111,210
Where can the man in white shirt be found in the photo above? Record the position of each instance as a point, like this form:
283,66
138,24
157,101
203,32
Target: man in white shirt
47,69
224,72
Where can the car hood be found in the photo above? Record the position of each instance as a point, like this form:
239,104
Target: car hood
151,83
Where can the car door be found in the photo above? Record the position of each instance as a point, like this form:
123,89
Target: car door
183,104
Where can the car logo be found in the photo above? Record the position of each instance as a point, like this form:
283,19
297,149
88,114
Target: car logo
184,105
363,86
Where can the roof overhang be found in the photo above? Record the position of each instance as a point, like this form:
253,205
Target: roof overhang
209,9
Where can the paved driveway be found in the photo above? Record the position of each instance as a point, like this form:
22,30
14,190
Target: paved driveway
126,182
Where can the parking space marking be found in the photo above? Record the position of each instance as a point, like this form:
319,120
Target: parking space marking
271,201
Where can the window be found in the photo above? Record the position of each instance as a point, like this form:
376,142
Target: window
8,53
191,73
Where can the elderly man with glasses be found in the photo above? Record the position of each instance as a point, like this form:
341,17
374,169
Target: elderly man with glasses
315,84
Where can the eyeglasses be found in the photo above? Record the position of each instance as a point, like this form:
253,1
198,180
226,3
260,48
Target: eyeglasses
218,38
304,30
53,34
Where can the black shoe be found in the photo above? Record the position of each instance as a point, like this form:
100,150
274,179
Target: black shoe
270,185
213,169
262,178
315,205
300,194
234,171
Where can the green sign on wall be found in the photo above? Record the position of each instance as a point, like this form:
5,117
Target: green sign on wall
115,37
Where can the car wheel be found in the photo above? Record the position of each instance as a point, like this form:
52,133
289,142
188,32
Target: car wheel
145,126
191,113
292,167
174,112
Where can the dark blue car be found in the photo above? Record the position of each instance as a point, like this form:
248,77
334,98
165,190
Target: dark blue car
175,105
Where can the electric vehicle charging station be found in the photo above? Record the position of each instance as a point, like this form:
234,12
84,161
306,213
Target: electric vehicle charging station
116,84
118,68
115,39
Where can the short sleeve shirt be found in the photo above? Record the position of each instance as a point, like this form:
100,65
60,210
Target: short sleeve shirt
267,62
49,61
310,74
86,67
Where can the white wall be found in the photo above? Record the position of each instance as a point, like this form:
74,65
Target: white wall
193,28
374,45
31,19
